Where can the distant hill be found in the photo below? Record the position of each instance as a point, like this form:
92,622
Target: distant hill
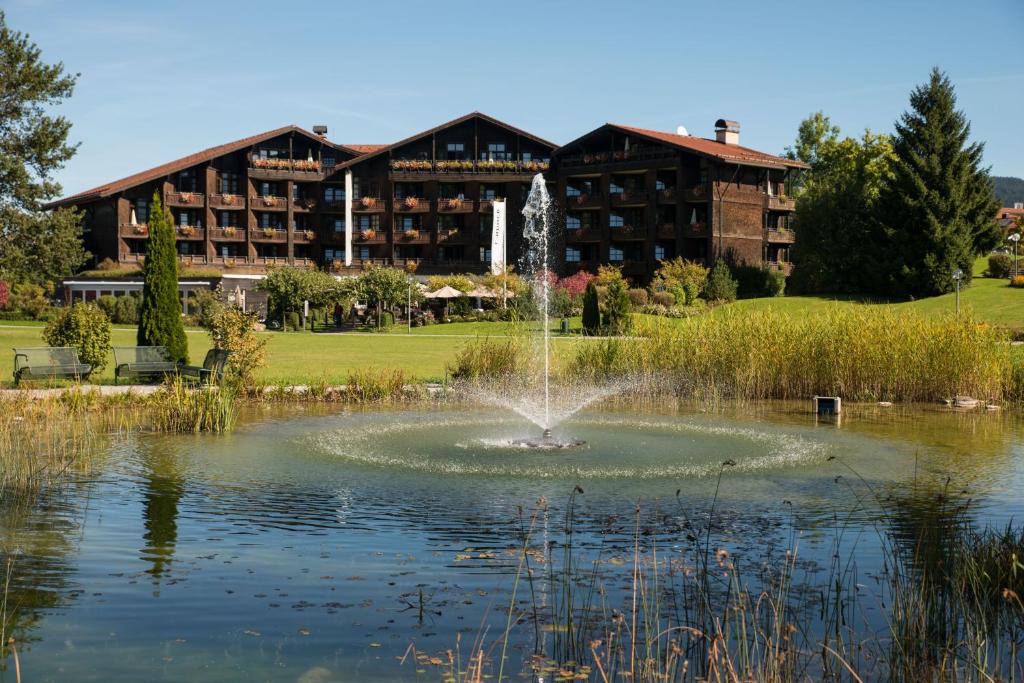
1009,189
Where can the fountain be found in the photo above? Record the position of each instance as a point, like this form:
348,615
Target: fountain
538,401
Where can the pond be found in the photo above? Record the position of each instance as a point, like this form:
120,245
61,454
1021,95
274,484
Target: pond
318,544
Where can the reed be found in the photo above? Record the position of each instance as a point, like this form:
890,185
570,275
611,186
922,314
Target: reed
857,353
183,408
371,385
486,357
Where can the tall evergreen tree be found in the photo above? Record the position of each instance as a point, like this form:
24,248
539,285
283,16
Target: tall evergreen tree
937,212
591,310
160,321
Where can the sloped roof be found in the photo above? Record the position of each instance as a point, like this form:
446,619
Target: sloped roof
186,162
365,149
735,154
454,122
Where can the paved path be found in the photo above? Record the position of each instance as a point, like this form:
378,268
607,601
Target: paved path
101,389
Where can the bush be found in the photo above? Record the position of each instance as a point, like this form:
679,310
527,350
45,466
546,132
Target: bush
1017,281
126,311
759,281
205,305
775,282
999,265
665,299
5,294
617,310
292,321
721,286
685,278
235,331
84,326
107,304
638,298
30,300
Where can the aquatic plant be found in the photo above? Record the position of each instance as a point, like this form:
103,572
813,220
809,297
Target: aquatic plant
180,407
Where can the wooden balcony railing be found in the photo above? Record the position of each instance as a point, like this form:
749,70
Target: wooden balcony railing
629,232
453,235
134,230
270,260
411,236
666,230
304,204
781,236
411,205
629,197
454,205
486,205
195,199
468,166
267,202
228,261
192,259
698,229
582,235
777,203
697,193
370,237
368,205
585,200
667,196
269,235
227,201
282,167
189,232
333,205
617,156
303,236
228,234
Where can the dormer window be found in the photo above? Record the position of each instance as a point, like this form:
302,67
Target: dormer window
456,151
496,151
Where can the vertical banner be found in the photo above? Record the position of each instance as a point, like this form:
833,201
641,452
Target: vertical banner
498,238
348,216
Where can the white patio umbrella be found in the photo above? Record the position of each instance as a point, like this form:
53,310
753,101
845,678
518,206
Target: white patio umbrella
693,217
447,292
132,219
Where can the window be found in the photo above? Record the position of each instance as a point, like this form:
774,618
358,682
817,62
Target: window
229,250
364,252
339,225
572,222
187,181
408,223
334,194
446,222
183,218
659,252
489,192
616,220
452,191
615,254
266,189
527,156
296,192
369,222
496,152
615,188
571,191
327,162
141,210
228,219
485,254
659,184
334,254
269,220
572,255
229,183
456,151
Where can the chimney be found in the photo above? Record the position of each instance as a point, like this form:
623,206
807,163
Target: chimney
682,132
1018,205
320,130
727,132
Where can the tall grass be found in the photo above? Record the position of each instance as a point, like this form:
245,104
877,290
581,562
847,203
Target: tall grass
857,353
180,407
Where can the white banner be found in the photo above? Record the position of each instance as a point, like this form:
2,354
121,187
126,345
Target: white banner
498,238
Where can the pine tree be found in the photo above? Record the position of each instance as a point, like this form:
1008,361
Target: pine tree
937,212
160,321
721,286
618,316
591,310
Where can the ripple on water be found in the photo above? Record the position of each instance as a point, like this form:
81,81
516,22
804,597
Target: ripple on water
617,447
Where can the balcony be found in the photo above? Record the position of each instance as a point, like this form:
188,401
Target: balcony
667,196
411,205
271,235
368,205
454,205
227,261
454,236
333,205
629,198
629,232
227,201
486,205
778,203
780,236
133,230
227,234
303,204
582,235
411,237
271,260
618,156
193,199
189,232
785,266
697,193
414,167
303,236
268,203
192,259
666,230
370,237
699,229
585,200
274,168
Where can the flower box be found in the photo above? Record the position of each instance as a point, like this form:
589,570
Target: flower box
269,201
368,202
268,232
140,229
308,234
187,230
451,204
367,234
230,231
410,202
411,234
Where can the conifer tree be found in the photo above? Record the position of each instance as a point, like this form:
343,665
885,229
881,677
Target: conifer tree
936,213
618,311
591,310
160,321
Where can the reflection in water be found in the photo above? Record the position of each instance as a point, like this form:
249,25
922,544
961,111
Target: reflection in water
162,489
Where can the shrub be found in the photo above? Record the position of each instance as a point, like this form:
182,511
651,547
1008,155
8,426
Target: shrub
1017,281
206,305
721,286
126,311
84,326
683,277
999,265
235,331
29,299
638,298
5,294
106,264
775,281
108,304
665,299
758,281
292,321
591,310
617,310
575,285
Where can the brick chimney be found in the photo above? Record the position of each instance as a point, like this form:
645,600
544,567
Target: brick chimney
727,132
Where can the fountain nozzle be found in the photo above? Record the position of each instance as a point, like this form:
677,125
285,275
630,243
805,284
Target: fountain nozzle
547,434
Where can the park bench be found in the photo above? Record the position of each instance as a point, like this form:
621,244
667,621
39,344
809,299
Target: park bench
210,372
48,362
142,361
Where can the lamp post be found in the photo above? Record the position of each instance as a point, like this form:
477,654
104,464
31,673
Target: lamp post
957,276
1015,238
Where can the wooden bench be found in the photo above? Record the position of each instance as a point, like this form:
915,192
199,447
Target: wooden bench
49,362
142,361
210,372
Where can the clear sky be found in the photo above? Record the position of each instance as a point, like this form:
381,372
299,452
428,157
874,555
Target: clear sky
163,79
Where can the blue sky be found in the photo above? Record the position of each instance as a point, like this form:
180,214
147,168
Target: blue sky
161,80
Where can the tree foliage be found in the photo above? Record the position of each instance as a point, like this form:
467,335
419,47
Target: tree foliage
721,286
936,213
591,310
233,330
160,322
684,279
85,327
617,309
